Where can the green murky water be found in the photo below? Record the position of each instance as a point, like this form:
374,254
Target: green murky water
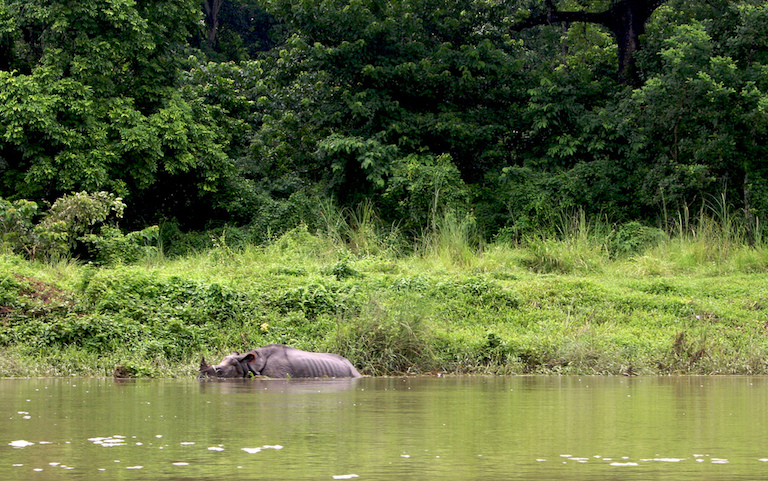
532,428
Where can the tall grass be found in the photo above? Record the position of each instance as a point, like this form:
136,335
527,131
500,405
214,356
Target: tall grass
453,241
359,230
584,296
715,239
560,303
578,243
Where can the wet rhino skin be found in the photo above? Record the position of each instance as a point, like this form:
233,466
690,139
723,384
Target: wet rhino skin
280,361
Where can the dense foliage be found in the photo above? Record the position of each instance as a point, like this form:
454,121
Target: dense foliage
252,112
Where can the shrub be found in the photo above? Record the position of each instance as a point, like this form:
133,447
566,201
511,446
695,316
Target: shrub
70,220
632,238
111,246
421,189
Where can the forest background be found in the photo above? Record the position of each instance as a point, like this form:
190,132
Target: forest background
236,123
248,112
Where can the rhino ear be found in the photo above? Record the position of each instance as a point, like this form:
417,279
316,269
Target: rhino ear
248,357
203,365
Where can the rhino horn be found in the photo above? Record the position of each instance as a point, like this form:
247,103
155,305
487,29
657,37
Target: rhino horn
203,365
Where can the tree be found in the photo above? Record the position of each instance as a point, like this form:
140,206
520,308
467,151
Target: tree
92,102
432,76
698,124
626,19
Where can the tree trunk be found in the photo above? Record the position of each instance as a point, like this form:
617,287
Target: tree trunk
627,23
211,8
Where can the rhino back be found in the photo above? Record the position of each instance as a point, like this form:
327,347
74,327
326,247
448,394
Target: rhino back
322,366
304,364
285,361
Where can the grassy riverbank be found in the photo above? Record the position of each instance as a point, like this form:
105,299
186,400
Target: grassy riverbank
685,305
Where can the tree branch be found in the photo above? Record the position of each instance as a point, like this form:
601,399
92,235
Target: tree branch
607,18
554,16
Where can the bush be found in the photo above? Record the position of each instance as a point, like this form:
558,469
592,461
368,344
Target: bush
422,188
111,246
383,341
70,220
632,238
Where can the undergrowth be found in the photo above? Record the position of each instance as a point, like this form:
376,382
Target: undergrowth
588,299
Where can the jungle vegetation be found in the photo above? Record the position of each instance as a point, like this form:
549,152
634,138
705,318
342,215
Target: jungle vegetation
252,112
473,186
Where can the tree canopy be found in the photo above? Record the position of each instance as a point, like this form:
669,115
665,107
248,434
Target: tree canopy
248,111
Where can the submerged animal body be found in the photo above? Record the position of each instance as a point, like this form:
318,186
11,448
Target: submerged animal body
277,360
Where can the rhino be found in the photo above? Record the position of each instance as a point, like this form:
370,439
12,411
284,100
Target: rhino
279,361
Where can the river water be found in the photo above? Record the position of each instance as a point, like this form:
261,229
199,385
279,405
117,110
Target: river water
416,428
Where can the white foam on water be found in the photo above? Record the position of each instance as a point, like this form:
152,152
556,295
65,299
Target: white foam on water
252,450
275,446
346,476
20,443
135,467
665,460
624,464
719,461
180,464
215,448
109,442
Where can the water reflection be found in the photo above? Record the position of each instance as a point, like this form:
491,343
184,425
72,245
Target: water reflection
475,428
233,386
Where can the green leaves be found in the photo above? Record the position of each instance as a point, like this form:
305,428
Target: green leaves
93,97
369,155
97,105
59,228
703,108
